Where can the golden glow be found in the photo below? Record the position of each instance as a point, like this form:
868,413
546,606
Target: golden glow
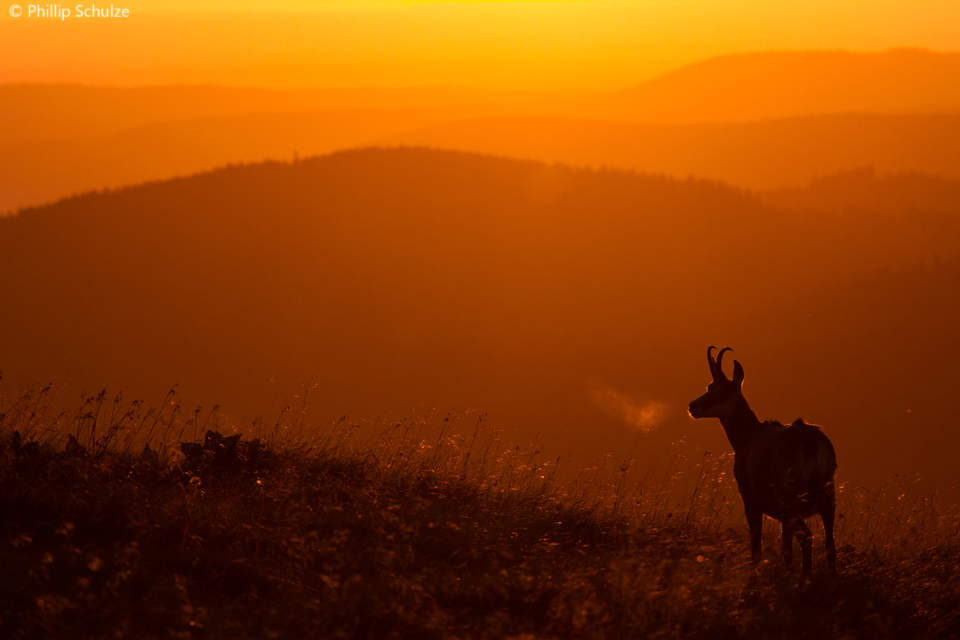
541,44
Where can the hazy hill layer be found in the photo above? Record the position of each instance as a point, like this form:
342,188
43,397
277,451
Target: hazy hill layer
864,190
57,140
763,155
779,84
36,112
571,305
759,155
735,88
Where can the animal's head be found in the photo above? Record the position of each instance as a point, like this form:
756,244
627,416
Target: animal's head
722,394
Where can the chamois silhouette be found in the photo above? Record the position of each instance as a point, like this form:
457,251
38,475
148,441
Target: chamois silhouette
783,471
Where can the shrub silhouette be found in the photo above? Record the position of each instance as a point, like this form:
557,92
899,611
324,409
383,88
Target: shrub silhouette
219,453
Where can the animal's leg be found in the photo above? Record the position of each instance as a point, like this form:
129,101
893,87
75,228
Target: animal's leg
828,507
803,534
787,544
755,521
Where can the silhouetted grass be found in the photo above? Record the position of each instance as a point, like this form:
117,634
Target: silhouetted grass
411,531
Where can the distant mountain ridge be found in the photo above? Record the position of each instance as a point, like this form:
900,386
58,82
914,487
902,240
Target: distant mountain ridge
781,84
732,88
767,154
41,171
760,121
773,154
45,112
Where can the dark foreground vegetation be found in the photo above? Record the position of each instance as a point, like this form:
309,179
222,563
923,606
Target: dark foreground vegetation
110,527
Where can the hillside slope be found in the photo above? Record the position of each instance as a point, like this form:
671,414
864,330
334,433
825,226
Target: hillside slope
570,305
37,172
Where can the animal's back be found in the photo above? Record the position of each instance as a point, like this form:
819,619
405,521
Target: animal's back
787,467
807,468
820,460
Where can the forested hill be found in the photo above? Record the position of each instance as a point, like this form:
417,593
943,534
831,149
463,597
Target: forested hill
573,306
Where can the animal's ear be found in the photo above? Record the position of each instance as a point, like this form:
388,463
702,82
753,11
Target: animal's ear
737,373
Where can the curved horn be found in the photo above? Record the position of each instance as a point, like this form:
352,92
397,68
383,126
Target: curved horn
711,362
720,362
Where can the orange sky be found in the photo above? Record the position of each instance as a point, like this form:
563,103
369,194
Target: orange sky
548,44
